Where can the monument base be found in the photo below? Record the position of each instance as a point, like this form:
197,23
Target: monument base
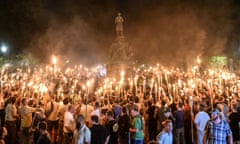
114,70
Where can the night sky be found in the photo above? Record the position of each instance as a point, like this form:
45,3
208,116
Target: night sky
165,31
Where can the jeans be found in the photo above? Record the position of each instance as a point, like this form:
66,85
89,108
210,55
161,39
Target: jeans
200,135
180,138
137,141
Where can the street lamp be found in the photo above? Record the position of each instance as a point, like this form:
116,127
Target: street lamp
4,50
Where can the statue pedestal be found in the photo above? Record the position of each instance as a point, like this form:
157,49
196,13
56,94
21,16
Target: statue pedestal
114,70
120,58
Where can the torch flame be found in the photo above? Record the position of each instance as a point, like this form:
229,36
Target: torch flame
54,59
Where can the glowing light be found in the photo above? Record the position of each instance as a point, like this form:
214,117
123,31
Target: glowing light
43,88
83,87
122,74
30,84
131,83
4,48
54,60
88,83
121,82
193,86
198,60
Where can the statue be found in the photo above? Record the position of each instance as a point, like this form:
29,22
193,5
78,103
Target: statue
120,54
119,24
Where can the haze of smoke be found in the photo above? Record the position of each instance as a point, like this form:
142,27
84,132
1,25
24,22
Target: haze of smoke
177,35
167,34
74,41
169,39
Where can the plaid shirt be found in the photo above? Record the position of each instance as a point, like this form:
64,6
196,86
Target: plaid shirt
217,133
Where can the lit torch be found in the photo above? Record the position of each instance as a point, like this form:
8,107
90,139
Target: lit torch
122,75
54,60
198,60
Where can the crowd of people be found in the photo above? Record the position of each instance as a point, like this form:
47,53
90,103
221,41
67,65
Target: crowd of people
154,105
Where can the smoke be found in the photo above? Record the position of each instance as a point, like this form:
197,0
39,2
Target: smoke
177,34
74,42
159,32
169,39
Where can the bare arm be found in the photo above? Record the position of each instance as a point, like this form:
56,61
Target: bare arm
107,139
74,139
69,128
134,130
14,112
205,138
230,139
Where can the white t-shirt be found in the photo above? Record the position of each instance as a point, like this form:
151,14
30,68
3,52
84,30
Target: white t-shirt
68,121
83,135
201,120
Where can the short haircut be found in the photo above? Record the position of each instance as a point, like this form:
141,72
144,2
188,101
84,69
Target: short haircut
80,117
234,106
164,123
135,108
42,125
124,110
97,104
70,107
13,100
65,101
94,118
163,102
24,100
110,113
180,105
167,110
202,107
